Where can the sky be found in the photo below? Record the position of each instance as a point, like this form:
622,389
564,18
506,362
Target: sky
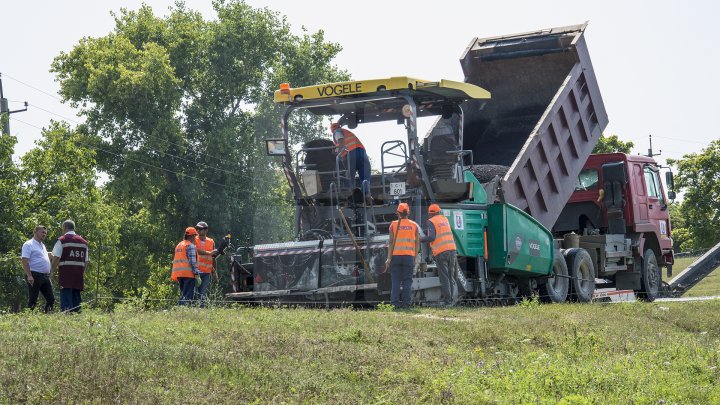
656,62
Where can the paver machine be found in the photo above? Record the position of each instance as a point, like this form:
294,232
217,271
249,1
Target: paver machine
500,168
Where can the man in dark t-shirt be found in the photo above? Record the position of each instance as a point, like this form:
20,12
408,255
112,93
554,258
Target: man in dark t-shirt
70,259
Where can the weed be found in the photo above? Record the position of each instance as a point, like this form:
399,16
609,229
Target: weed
532,302
384,307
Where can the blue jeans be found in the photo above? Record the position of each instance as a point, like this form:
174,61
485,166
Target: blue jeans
359,163
70,300
205,281
187,290
401,273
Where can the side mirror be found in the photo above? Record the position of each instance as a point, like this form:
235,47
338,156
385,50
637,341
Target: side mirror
671,195
670,183
276,147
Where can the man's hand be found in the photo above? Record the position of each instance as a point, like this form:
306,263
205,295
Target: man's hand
30,280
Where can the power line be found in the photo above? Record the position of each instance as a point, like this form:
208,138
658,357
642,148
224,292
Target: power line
33,87
156,150
150,149
680,140
150,136
141,162
76,122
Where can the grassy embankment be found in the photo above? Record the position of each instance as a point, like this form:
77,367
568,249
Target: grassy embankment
573,354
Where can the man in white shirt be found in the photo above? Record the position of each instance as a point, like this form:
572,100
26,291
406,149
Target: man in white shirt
36,263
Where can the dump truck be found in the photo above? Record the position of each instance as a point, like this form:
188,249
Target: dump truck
509,161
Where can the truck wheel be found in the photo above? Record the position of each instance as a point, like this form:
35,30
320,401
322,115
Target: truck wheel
649,277
556,288
582,273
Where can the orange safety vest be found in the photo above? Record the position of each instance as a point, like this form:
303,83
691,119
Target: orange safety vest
443,235
205,263
181,264
350,141
406,239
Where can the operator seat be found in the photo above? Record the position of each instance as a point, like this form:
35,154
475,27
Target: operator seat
442,138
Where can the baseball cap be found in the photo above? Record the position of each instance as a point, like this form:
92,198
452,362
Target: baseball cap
433,209
202,225
190,231
403,207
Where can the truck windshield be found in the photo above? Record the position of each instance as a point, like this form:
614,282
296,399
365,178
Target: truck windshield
587,180
652,182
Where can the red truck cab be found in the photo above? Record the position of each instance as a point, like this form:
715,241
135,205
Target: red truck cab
644,206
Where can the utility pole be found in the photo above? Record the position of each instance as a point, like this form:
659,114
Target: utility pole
650,150
5,110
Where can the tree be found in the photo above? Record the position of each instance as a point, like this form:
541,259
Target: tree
12,194
55,181
176,110
181,105
698,175
682,240
612,144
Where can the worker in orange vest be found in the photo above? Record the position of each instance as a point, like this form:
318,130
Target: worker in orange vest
405,244
206,260
185,266
348,145
442,244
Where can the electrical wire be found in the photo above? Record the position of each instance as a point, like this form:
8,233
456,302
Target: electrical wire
150,136
244,176
156,150
32,87
140,162
680,140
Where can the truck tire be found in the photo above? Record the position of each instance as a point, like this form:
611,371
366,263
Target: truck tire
649,277
582,273
556,288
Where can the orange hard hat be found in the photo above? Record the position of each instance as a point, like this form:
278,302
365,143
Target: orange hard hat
403,207
190,231
433,209
334,126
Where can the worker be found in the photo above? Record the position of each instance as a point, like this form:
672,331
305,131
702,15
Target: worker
442,244
206,259
348,145
70,258
404,246
185,266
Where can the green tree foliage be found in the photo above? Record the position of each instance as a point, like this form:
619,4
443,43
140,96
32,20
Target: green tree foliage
56,181
612,144
11,197
698,177
181,104
682,240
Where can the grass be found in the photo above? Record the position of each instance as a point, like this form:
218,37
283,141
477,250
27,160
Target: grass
709,286
639,353
635,353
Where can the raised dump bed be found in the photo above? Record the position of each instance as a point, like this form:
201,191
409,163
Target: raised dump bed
545,116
